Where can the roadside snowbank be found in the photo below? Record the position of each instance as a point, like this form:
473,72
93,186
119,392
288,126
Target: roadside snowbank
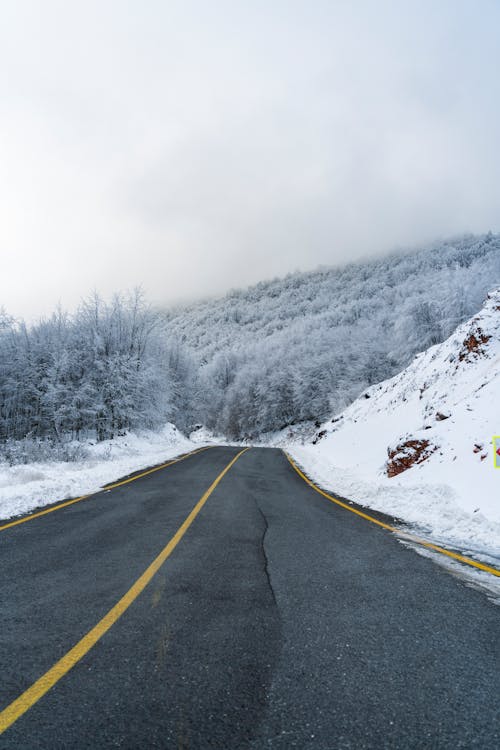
28,486
449,399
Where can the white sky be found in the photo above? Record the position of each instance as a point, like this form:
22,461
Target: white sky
196,146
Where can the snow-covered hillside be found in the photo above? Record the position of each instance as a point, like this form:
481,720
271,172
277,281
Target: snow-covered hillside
420,445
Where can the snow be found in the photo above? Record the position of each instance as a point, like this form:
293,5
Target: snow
26,487
452,497
203,436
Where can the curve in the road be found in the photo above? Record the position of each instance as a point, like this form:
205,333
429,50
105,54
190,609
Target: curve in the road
406,535
280,621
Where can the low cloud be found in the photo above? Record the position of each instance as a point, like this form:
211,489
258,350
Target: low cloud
192,149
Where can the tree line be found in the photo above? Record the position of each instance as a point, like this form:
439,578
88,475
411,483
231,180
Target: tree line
282,352
98,373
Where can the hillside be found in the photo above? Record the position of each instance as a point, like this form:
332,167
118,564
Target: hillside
420,446
298,348
281,353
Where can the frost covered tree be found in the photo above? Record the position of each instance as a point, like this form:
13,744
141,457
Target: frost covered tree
105,370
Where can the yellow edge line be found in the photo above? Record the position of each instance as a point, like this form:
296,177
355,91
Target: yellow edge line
410,537
338,502
33,694
65,504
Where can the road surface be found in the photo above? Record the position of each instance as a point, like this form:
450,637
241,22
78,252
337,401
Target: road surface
276,620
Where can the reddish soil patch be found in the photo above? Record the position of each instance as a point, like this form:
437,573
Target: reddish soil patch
473,345
407,454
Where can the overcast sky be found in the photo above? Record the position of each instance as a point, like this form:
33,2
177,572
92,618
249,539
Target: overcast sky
191,147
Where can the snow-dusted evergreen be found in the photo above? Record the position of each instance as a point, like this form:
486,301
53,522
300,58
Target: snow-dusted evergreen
297,348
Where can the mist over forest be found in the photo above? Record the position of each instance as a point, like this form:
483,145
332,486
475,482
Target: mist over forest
257,360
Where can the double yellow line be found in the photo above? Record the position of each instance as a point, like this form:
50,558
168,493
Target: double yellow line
394,529
33,694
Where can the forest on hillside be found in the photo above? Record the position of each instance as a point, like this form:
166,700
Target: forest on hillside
302,347
257,360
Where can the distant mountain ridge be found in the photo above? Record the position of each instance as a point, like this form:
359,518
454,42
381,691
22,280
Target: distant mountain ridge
296,348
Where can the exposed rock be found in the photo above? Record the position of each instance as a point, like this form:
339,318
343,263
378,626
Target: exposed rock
407,454
317,438
472,346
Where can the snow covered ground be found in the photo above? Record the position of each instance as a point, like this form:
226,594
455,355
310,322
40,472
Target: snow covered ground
437,418
27,486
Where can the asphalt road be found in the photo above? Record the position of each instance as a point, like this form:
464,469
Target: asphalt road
279,621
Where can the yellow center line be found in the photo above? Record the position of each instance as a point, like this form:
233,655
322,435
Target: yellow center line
65,504
39,688
398,532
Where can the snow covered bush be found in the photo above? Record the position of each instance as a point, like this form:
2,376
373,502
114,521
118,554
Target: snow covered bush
38,450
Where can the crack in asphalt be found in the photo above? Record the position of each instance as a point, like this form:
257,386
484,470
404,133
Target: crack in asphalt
264,554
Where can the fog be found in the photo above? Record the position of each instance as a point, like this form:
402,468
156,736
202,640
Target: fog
191,147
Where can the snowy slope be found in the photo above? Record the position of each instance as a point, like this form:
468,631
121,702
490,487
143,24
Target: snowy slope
28,486
419,446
